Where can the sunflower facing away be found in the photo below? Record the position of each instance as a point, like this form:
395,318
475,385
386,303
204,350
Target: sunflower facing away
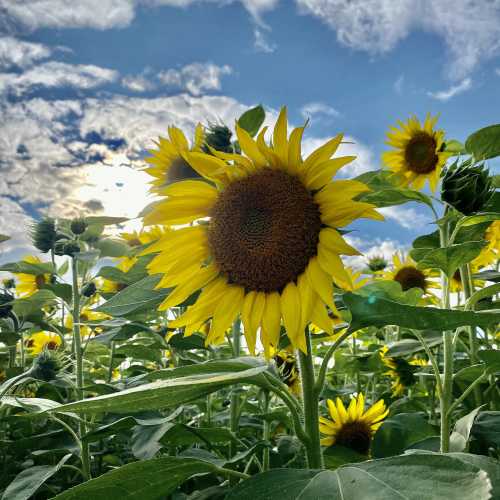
39,341
268,248
406,273
418,155
401,371
353,427
28,284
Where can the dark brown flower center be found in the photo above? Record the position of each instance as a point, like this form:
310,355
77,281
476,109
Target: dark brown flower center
411,277
420,153
135,242
264,229
40,281
52,345
121,286
180,170
355,435
457,276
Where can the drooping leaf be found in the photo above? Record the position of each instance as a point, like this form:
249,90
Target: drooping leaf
28,268
455,147
33,303
252,119
395,196
484,143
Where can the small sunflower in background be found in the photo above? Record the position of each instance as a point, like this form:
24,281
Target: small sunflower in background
456,285
86,315
355,278
288,370
28,284
418,154
353,427
109,286
167,162
407,274
268,248
402,372
144,236
39,341
490,254
377,263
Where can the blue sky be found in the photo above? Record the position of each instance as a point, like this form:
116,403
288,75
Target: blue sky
85,88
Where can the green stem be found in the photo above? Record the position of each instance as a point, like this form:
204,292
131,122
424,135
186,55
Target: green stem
231,473
79,365
266,432
310,400
111,357
235,398
467,391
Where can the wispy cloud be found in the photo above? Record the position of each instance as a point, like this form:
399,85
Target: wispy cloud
261,43
318,111
445,95
409,218
19,53
398,84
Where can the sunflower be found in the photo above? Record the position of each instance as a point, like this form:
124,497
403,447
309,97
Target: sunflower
109,286
418,155
491,252
401,371
268,248
288,370
353,428
356,281
86,315
168,163
39,341
406,273
28,284
143,237
456,285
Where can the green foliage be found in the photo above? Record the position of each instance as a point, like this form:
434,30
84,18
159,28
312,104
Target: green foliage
252,119
484,143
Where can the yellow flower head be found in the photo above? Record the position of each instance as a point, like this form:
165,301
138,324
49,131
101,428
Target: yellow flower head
456,284
28,284
144,236
353,427
406,273
418,154
167,163
269,248
109,286
39,341
288,370
401,371
355,279
86,315
491,252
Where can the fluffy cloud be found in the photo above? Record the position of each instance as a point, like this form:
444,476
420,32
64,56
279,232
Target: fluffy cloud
470,28
373,248
195,78
318,111
446,95
19,53
13,222
56,74
409,218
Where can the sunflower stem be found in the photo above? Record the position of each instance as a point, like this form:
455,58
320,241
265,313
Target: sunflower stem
85,452
448,348
266,432
310,400
235,398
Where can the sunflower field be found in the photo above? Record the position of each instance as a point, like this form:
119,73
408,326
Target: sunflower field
226,350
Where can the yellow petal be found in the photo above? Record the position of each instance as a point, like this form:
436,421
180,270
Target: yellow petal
333,240
191,189
323,153
271,318
333,265
291,311
207,165
322,173
225,313
320,282
294,148
280,134
249,147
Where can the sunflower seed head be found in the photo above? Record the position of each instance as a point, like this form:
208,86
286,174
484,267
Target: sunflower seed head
44,235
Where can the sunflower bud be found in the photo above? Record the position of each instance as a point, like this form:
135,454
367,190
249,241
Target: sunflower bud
46,365
71,248
5,305
89,289
466,187
9,283
377,263
44,235
218,137
78,226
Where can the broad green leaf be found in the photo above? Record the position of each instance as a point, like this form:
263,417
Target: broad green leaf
486,429
488,464
252,120
3,238
449,259
27,268
105,221
395,196
489,275
137,297
391,290
410,477
61,290
463,426
484,143
185,435
400,432
335,456
166,393
406,347
472,220
377,180
112,248
374,311
491,358
455,147
29,480
146,480
33,303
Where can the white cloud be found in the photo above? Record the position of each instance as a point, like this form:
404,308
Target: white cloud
19,53
13,223
452,91
261,43
409,218
138,83
56,74
318,110
470,28
371,248
195,77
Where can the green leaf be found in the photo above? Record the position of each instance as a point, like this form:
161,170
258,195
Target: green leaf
411,477
105,221
171,391
27,268
472,220
400,432
112,248
463,427
488,464
374,311
407,347
252,120
491,358
148,480
3,238
486,429
135,298
388,289
455,147
33,303
377,180
449,259
395,196
61,290
484,143
29,480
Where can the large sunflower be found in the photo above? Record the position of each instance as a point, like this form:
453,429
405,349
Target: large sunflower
353,427
168,163
407,274
418,155
268,248
28,284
